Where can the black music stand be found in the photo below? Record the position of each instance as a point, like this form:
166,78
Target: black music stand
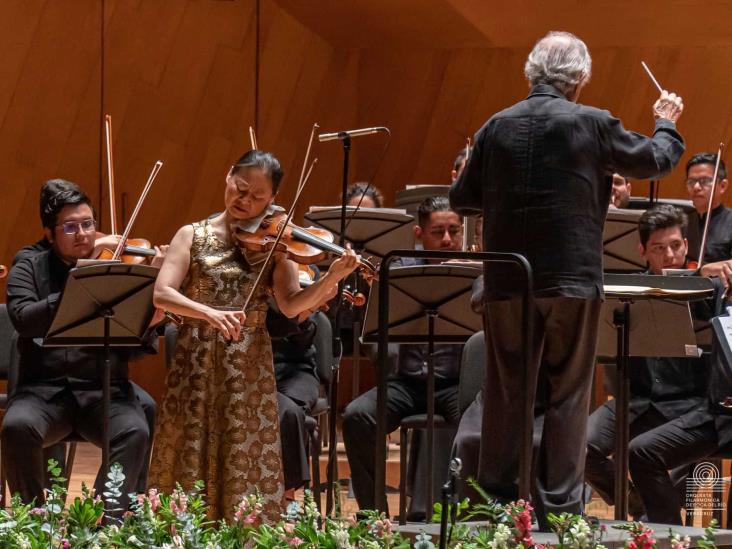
620,242
661,306
431,304
372,231
108,305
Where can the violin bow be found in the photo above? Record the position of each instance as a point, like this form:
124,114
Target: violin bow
110,174
709,205
465,217
253,139
133,217
304,176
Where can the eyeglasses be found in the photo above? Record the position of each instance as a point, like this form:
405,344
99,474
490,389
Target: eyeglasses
703,182
73,227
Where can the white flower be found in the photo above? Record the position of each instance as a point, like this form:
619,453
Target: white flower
341,539
501,537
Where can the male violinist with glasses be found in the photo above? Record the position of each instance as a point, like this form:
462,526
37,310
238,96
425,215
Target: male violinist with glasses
718,254
58,391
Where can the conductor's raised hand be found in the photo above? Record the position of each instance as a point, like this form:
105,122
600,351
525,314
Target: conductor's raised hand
227,322
669,106
344,265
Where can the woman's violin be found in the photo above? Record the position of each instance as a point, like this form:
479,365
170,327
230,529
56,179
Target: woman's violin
304,246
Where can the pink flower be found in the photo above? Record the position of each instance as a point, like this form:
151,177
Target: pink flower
294,542
65,544
179,502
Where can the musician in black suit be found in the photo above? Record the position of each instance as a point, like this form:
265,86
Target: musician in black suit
59,389
662,388
57,452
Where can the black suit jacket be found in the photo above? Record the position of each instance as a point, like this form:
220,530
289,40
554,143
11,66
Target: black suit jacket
33,290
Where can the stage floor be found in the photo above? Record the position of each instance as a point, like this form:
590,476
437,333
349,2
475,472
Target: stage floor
612,539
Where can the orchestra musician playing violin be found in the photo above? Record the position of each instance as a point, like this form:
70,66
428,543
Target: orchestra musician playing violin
540,172
718,248
218,422
49,190
59,389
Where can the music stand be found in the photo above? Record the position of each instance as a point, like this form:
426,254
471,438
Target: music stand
620,242
371,231
109,305
660,306
411,197
430,304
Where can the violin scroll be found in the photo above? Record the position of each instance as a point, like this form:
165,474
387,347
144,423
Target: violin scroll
3,271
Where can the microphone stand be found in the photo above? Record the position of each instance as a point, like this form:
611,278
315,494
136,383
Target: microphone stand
448,497
337,349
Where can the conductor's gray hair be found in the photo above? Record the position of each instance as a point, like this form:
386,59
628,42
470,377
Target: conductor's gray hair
559,59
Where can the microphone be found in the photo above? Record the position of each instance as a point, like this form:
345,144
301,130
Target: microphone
351,133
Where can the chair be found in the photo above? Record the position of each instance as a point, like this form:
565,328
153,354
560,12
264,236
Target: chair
472,373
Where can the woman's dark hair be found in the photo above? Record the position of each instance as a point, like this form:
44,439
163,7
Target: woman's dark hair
707,158
429,205
664,216
363,188
55,195
265,161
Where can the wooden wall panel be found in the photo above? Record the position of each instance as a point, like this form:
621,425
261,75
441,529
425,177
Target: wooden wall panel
179,79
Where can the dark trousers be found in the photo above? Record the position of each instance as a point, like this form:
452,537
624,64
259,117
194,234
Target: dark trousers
297,393
32,423
565,337
149,408
600,466
671,446
404,398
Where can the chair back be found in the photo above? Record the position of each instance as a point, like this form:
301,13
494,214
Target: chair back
472,370
323,347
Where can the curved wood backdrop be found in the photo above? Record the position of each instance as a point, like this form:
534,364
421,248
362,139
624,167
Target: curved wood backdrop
183,79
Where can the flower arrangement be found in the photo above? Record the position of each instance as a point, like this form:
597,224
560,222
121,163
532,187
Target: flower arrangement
178,520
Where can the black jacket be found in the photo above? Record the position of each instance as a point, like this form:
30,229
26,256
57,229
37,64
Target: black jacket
33,290
540,172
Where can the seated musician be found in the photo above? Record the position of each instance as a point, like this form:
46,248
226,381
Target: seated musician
620,194
58,391
438,228
661,389
298,388
364,195
58,451
718,255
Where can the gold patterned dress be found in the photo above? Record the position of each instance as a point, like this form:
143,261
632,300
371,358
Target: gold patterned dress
218,422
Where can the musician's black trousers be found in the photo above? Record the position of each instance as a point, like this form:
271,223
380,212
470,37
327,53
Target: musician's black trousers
564,342
30,423
653,454
404,397
297,393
